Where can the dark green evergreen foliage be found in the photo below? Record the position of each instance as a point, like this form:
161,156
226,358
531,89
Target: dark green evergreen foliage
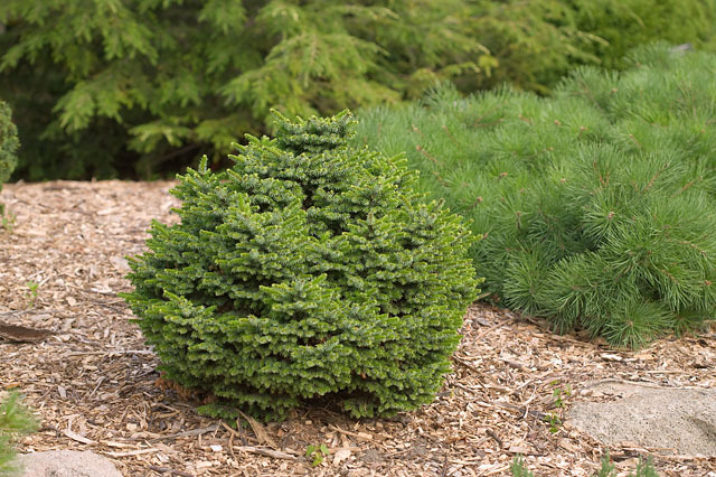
137,87
8,146
598,206
15,420
536,43
307,270
626,24
8,143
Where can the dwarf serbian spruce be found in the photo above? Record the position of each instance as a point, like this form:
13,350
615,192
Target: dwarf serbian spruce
307,270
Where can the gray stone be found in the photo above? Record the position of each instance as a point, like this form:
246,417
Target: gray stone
67,463
674,420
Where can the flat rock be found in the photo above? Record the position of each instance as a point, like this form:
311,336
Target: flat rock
668,420
67,463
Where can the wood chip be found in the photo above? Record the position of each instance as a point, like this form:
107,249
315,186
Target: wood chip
363,436
340,455
23,334
131,453
77,437
259,431
267,452
191,433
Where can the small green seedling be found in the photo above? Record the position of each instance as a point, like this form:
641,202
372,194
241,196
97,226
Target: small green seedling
519,468
554,422
607,469
560,394
317,454
7,220
32,294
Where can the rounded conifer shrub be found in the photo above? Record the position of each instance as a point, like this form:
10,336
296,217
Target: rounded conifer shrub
308,270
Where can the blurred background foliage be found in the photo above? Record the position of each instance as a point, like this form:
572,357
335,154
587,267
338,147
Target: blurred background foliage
141,88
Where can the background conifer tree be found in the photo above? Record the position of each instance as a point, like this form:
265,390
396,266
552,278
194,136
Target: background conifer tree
137,87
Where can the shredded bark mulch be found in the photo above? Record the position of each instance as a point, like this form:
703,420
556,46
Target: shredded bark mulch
93,382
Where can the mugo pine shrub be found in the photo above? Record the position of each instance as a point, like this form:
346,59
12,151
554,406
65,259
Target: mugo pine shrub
8,145
598,206
15,420
309,269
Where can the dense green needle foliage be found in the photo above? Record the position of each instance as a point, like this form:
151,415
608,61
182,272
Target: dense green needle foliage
307,270
15,419
137,87
8,146
598,206
8,143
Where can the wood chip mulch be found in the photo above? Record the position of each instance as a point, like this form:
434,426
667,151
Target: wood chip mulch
93,382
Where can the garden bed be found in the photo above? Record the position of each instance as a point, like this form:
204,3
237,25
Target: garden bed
95,387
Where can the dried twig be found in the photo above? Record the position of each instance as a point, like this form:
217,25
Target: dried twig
191,433
167,470
267,452
23,334
492,434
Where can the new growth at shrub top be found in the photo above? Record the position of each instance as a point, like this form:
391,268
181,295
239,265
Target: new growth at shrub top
309,269
597,206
